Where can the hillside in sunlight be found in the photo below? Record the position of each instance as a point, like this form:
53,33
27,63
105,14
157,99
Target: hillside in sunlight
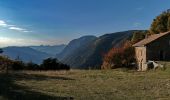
87,52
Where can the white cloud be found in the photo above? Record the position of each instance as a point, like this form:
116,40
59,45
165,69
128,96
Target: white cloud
13,27
140,8
3,23
17,28
137,24
26,31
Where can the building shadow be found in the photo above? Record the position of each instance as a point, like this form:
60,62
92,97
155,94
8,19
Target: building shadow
11,91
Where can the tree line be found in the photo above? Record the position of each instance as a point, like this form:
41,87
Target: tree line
47,64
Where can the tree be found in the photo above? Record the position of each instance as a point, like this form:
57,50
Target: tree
119,57
50,64
138,35
168,26
113,58
128,54
1,51
160,23
5,63
18,65
32,66
53,64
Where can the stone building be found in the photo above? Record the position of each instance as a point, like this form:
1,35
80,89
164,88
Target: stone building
155,48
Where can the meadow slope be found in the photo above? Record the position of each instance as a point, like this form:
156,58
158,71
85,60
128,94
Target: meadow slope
117,84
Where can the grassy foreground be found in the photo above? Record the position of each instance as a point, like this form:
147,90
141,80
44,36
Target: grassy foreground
86,85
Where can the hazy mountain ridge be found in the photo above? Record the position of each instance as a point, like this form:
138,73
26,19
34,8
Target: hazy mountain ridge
25,54
52,50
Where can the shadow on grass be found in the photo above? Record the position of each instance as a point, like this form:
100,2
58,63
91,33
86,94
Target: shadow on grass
24,76
11,91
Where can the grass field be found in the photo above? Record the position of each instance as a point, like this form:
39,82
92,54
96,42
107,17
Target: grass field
117,84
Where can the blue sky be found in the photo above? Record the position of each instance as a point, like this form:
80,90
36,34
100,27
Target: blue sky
35,22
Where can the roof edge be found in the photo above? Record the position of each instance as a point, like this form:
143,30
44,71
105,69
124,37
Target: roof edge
148,40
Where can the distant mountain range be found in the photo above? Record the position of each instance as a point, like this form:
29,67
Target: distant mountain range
82,53
87,52
35,54
25,54
52,50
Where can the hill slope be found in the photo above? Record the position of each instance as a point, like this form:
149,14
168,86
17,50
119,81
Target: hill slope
75,47
25,54
115,84
90,54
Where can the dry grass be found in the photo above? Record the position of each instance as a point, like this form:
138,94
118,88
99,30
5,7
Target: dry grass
86,85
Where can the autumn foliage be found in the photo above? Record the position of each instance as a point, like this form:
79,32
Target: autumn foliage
161,23
119,57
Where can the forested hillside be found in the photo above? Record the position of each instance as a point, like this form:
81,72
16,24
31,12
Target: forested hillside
87,52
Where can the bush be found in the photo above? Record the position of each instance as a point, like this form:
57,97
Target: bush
5,63
53,64
48,64
119,57
32,66
1,51
18,65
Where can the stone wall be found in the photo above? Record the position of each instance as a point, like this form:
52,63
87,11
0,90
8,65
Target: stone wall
141,58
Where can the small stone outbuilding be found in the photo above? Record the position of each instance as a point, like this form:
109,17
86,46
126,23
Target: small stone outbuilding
155,48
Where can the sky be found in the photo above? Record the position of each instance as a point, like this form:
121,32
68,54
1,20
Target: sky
53,22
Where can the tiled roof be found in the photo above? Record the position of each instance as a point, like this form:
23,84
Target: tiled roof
150,39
